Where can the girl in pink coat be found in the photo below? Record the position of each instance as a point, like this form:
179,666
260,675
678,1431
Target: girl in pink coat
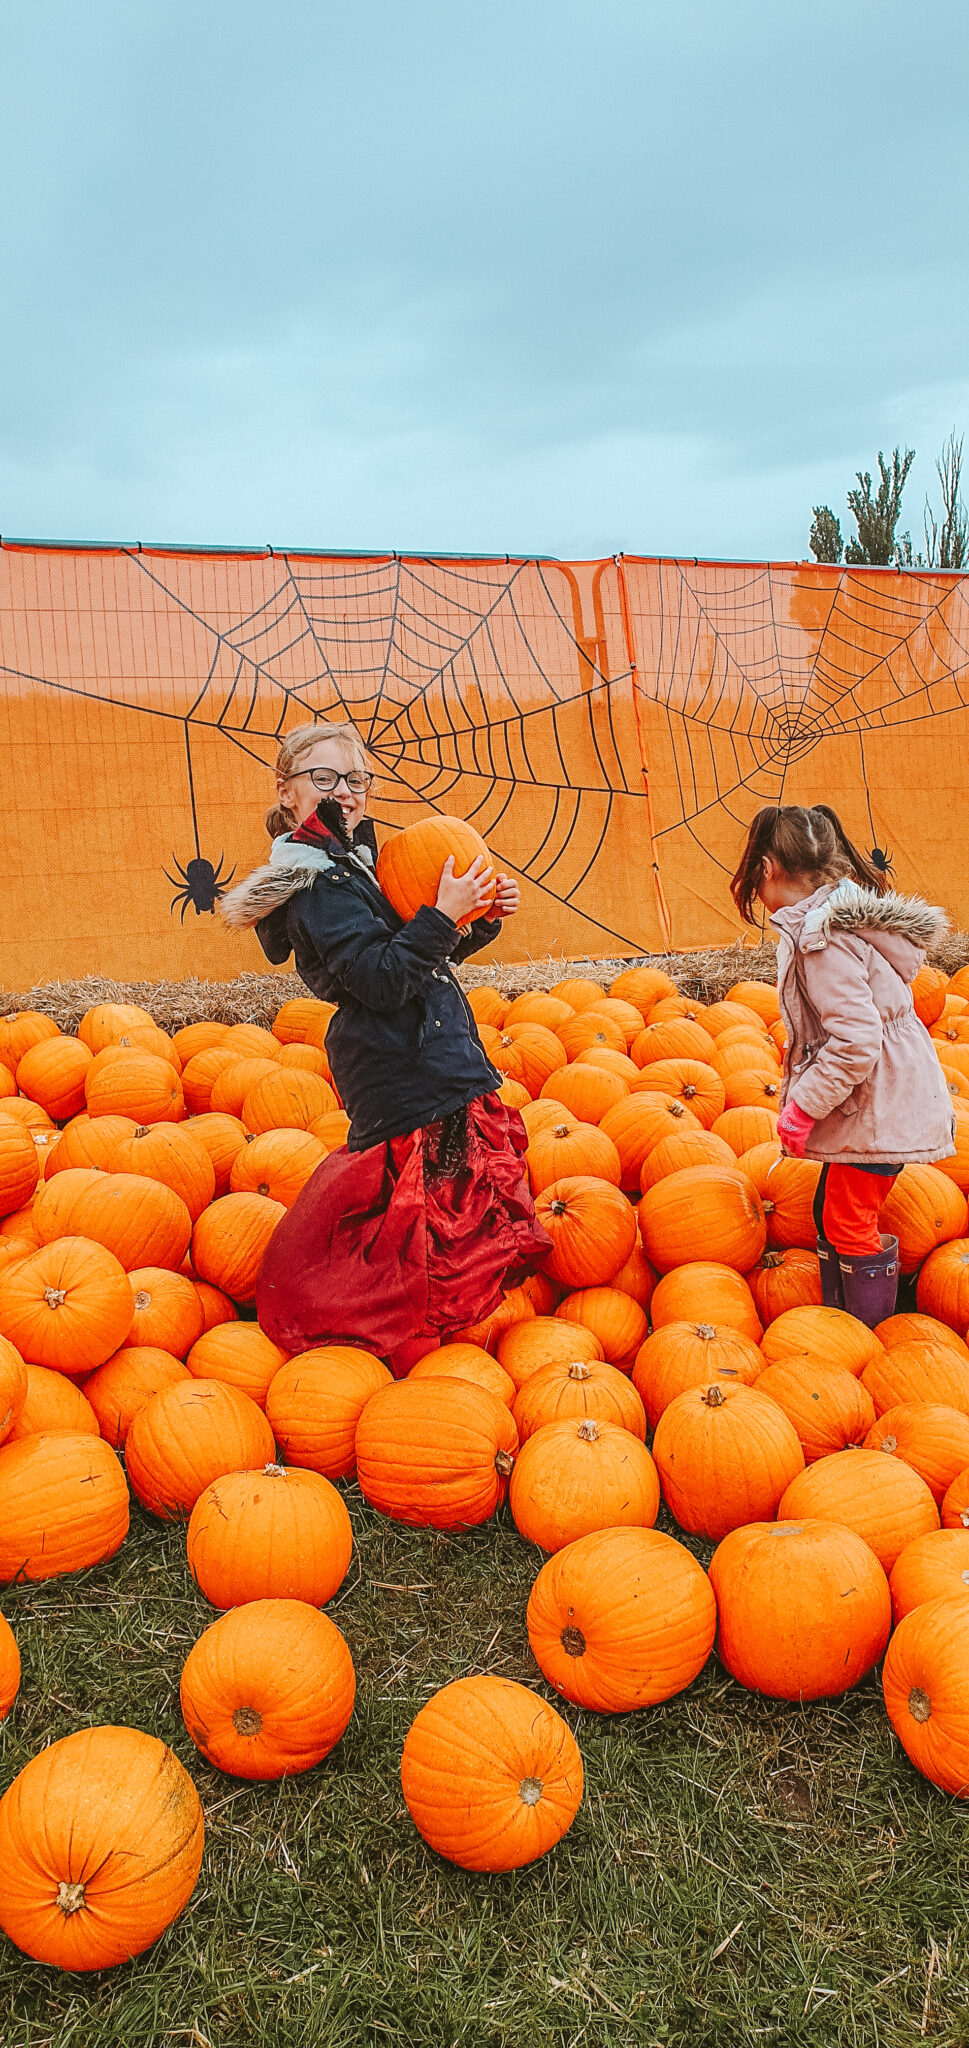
863,1089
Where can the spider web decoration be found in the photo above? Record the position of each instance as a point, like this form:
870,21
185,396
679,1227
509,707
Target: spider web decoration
609,727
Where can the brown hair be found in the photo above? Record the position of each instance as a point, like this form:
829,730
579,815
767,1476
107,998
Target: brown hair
808,844
292,749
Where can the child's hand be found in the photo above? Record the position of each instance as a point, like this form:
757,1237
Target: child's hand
465,897
507,897
794,1128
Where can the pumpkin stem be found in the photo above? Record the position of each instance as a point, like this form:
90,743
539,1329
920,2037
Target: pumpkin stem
704,1330
573,1642
70,1898
55,1297
263,1188
530,1791
889,1444
689,1090
919,1704
578,1370
274,1471
142,1131
713,1398
677,1109
247,1721
588,1431
771,1259
504,1464
557,1208
142,1298
560,1131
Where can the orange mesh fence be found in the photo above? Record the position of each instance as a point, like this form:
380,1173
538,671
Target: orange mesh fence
610,727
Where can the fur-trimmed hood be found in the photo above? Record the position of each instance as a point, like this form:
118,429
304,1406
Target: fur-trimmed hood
848,907
291,867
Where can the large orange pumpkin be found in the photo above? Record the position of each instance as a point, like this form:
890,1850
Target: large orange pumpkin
828,1335
587,1031
575,1476
89,1141
293,1020
193,1038
559,1392
585,1091
680,1356
106,1023
568,1147
783,1280
625,1016
277,1164
52,1073
516,1307
918,1372
829,1408
9,1668
141,1085
612,1316
268,1689
527,1053
643,987
315,1402
13,1386
636,1277
592,1228
101,1840
216,1306
173,1155
237,1355
638,1125
491,1775
725,1455
704,1292
942,1289
528,1347
273,1534
285,1099
910,1327
436,1452
469,1362
702,1208
67,1305
676,1039
884,1501
53,1406
933,1567
932,1439
621,1619
691,1082
746,1126
200,1075
229,1240
804,1608
168,1312
25,1028
489,1006
687,1148
410,863
63,1505
143,1222
924,1209
125,1382
787,1188
924,1682
19,1166
188,1435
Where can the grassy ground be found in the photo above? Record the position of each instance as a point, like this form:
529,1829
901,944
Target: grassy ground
739,1871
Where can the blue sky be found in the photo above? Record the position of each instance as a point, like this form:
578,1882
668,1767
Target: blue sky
533,278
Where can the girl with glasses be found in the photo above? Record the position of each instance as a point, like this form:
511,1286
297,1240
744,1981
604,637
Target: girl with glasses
415,1229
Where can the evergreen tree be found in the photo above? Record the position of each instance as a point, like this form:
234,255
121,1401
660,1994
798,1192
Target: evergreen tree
877,517
826,542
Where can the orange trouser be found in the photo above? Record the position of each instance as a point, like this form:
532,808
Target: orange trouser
846,1207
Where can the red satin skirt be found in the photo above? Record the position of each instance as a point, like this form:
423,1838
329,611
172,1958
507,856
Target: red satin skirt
379,1252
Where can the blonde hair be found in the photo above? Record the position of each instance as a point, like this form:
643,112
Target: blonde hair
291,752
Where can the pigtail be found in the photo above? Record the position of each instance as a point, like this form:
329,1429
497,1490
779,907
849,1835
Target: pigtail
856,864
750,873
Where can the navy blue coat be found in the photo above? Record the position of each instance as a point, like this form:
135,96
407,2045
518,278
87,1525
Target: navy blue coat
403,1046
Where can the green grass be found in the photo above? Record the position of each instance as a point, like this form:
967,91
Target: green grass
738,1872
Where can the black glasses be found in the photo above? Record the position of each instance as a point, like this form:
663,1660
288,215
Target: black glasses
326,780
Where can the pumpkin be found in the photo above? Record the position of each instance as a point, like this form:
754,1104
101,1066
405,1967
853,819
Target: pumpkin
730,1016
828,1408
516,1307
526,1348
625,1016
235,1081
725,1455
141,1085
101,1840
278,1164
229,1240
783,1280
932,1439
607,1060
18,1228
216,1306
567,1148
591,1226
929,988
638,1125
52,1074
690,1082
63,1505
933,1567
955,1505
942,1289
621,1619
636,1277
702,1206
912,1328
68,1305
274,1534
643,987
588,1031
829,1335
918,1372
123,1384
410,863
315,1402
704,1292
171,1154
19,1166
513,1094
534,1007
468,1362
107,1023
489,1007
200,1075
89,1141
491,1775
193,1038
923,1210
754,1088
883,1500
168,1313
575,1476
268,1689
13,1249
252,1041
683,1149
559,1391
677,1006
53,1406
140,1220
749,1125
287,1100
9,1668
301,1014
681,1356
306,1060
739,1052
17,1109
585,1091
925,1687
436,1452
186,1436
527,1053
787,1188
758,996
13,1386
612,1316
237,1355
674,1040
804,1608
25,1028
333,1130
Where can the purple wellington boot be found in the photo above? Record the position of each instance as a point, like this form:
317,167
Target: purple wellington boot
832,1294
870,1283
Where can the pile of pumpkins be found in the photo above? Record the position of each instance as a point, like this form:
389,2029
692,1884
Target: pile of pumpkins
141,1177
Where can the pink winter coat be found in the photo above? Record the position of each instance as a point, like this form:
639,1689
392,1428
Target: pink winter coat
858,1059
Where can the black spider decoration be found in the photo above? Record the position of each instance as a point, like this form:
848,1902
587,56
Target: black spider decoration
882,862
204,884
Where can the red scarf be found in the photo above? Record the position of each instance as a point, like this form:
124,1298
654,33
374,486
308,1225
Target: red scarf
312,833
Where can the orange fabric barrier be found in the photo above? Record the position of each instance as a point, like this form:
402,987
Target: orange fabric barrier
610,727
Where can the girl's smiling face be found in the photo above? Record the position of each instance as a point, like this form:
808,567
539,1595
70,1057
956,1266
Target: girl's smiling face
300,794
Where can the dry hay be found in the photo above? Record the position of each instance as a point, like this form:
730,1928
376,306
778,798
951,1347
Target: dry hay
255,998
